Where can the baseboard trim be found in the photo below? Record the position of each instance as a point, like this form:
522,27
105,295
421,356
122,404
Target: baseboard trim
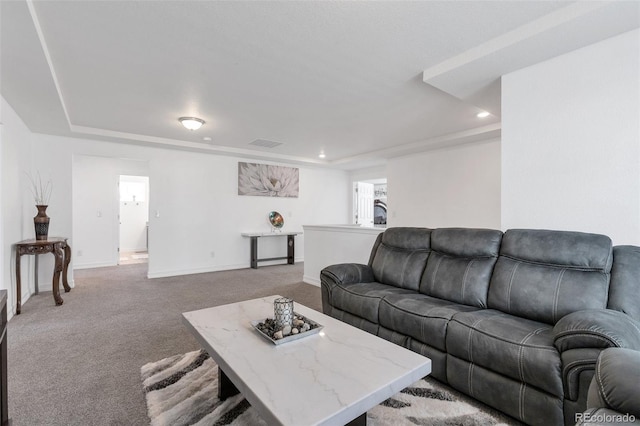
48,286
217,268
93,265
310,280
191,271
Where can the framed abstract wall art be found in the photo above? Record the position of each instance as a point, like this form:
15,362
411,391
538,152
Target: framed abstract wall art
268,181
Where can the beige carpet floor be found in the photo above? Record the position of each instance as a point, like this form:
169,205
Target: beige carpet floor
79,363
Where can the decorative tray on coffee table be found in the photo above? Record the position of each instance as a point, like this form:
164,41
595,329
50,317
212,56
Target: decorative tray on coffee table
266,328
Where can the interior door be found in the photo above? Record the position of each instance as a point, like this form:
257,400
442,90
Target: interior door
364,204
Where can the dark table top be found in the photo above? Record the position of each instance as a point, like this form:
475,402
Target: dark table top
35,242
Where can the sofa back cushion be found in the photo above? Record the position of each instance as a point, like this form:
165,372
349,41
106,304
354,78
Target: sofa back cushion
400,257
460,265
544,275
625,281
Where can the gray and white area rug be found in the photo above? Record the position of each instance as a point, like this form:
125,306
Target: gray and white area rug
182,390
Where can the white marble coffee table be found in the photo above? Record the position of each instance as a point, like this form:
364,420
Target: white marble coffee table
330,378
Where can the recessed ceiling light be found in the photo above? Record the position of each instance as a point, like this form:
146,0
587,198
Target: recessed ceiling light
321,155
191,123
207,138
483,114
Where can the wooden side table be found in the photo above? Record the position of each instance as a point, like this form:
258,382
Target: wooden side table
62,253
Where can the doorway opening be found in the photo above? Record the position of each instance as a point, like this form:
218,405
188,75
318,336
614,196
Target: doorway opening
133,220
370,203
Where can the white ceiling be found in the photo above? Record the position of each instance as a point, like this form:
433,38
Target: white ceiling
362,81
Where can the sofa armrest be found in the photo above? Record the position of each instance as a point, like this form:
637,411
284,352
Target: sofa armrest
341,274
346,273
615,383
596,328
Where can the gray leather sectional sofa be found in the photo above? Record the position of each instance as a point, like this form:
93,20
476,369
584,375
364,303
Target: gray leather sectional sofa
516,319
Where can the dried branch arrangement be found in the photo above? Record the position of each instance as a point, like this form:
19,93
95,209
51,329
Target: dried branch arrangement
41,191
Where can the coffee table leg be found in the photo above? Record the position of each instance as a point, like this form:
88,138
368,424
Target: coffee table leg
359,421
226,388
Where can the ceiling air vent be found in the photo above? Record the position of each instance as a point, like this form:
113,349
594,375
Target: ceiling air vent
265,143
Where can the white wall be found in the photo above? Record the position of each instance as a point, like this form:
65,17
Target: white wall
3,282
196,215
96,207
449,187
328,245
17,207
571,142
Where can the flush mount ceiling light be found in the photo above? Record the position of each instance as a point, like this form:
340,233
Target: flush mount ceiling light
483,114
321,155
191,123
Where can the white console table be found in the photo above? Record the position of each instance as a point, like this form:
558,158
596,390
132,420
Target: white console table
291,245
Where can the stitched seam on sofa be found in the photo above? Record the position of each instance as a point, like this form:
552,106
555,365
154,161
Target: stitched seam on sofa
359,271
470,340
470,379
586,333
464,279
404,250
513,274
520,366
546,348
426,315
523,387
601,384
554,265
633,324
404,269
521,351
384,261
435,272
454,256
556,296
359,294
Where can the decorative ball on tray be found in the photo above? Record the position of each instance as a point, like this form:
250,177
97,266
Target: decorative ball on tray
276,220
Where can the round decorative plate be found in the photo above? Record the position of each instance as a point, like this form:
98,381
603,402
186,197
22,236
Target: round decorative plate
276,219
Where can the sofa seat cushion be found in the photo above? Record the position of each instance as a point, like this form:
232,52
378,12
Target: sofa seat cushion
515,347
363,299
420,316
